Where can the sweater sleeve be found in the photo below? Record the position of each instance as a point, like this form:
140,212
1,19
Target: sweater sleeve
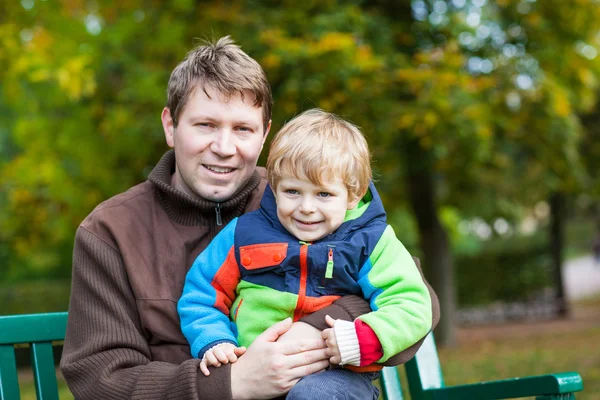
402,310
208,293
105,354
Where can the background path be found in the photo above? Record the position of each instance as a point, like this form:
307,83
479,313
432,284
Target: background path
581,278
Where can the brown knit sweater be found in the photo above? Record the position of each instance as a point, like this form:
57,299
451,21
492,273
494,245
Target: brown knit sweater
130,259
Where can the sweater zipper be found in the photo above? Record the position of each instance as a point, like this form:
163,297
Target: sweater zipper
298,312
218,211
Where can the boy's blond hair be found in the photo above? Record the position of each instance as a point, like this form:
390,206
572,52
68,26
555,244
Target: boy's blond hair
222,66
320,146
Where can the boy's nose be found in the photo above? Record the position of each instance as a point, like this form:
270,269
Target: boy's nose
307,206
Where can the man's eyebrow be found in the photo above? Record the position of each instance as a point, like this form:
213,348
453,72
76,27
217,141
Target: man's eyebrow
206,117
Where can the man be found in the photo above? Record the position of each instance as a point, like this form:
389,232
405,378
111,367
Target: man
133,251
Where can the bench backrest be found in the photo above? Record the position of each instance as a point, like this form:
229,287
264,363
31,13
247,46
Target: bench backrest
38,331
423,372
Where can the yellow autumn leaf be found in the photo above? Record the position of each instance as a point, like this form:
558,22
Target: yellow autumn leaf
561,104
271,61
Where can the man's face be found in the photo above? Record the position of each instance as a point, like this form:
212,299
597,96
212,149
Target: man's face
311,212
217,143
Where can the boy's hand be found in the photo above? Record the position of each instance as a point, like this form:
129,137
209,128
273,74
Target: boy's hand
223,353
333,351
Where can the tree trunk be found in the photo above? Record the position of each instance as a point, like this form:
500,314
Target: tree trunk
557,224
437,258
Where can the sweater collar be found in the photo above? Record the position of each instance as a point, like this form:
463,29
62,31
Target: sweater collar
187,210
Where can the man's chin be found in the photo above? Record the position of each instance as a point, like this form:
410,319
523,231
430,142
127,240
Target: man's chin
218,194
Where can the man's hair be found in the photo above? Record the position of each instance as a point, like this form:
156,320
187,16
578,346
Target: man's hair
320,146
224,67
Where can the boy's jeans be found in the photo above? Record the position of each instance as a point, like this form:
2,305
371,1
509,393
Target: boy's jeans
336,384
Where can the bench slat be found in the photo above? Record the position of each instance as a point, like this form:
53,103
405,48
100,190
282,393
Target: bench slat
551,384
390,384
9,380
42,361
27,328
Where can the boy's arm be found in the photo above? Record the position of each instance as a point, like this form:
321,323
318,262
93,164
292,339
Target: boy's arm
350,307
208,293
399,298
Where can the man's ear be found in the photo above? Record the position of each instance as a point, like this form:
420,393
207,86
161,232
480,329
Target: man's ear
266,132
168,127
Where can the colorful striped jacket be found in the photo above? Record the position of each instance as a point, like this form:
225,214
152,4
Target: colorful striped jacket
255,273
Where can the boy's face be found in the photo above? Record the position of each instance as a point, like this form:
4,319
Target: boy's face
310,212
217,143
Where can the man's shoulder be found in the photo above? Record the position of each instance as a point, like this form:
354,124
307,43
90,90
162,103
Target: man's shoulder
123,207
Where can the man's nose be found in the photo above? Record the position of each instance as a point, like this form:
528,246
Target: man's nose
223,143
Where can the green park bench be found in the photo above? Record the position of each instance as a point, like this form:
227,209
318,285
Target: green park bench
423,372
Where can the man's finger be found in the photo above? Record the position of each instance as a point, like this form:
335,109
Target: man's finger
304,370
303,345
273,332
307,358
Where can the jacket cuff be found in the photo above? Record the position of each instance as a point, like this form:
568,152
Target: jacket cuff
370,346
347,342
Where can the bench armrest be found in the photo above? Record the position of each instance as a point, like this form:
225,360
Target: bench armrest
551,384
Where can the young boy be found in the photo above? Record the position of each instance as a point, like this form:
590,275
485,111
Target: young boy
320,233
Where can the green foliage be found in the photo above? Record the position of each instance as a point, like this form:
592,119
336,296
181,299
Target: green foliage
34,296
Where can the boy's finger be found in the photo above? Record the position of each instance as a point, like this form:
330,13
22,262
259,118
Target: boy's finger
221,355
204,368
239,351
211,359
330,321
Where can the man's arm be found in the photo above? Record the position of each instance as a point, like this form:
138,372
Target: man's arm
106,355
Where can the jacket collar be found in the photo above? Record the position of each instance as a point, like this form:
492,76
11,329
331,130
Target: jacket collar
375,210
187,210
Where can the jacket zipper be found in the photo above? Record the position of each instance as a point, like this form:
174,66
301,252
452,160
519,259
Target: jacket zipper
298,312
218,211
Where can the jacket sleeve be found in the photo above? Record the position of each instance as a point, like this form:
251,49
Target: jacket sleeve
208,293
105,354
402,310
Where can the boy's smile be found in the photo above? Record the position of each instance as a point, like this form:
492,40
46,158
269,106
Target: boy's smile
311,212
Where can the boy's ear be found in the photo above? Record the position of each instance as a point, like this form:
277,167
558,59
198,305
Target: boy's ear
353,201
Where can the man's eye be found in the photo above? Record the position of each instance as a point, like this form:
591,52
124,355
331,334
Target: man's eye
204,124
244,129
324,194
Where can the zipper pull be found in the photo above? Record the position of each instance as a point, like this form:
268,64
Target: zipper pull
329,269
218,211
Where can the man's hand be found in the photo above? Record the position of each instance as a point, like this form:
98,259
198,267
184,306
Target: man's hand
270,368
222,353
300,330
333,351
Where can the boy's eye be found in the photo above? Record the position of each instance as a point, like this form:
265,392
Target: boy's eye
291,191
324,194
